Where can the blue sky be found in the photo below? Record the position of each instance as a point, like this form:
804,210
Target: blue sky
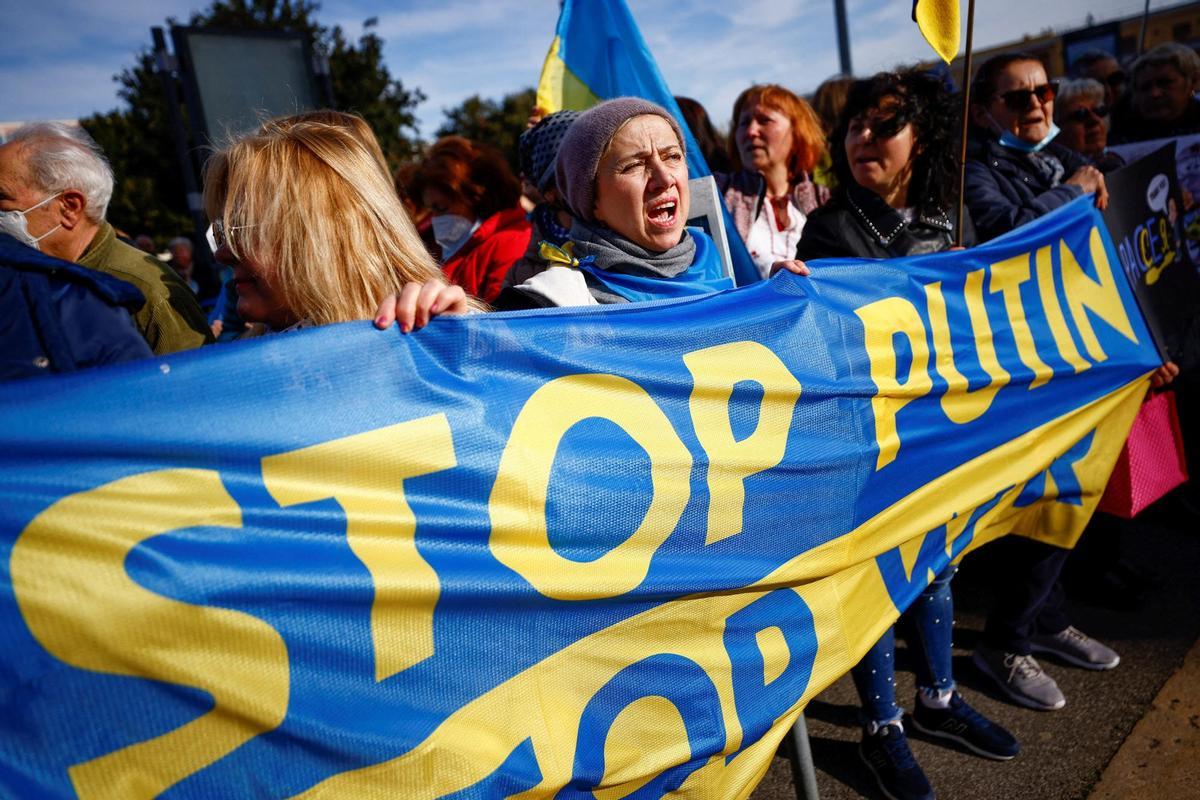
59,58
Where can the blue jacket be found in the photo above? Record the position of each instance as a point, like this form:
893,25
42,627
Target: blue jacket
56,316
1004,190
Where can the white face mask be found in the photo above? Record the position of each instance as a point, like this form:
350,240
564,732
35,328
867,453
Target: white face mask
16,225
451,232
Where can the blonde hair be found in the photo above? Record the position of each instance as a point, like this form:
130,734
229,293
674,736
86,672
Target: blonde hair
308,198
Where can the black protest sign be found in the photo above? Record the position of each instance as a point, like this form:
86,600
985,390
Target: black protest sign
1145,218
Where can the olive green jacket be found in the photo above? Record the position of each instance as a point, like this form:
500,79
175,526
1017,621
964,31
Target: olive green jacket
171,319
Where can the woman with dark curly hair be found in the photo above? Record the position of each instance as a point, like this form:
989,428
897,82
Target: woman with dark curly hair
894,154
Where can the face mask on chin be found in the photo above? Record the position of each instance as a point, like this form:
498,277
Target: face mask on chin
451,232
1011,141
16,225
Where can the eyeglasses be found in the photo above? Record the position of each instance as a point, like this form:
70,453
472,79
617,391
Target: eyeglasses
221,234
1018,99
1083,113
1116,79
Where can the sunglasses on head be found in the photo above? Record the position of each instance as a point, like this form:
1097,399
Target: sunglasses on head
1082,113
1018,99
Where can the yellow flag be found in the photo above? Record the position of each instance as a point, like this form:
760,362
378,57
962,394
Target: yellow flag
938,21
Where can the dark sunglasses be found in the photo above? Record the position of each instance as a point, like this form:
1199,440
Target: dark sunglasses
1116,79
1018,99
881,127
1082,113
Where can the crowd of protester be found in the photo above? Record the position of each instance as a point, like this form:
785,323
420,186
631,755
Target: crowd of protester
309,227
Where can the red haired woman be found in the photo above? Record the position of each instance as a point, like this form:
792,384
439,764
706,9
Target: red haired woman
477,222
776,142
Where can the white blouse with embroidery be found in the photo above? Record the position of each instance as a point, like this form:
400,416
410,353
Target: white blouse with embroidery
768,244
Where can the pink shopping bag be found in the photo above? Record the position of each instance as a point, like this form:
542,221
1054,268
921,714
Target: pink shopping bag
1152,461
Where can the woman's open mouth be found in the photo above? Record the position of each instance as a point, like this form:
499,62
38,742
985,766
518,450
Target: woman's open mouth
662,213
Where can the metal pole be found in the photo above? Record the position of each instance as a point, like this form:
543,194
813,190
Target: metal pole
966,117
843,36
166,67
320,63
1142,35
804,774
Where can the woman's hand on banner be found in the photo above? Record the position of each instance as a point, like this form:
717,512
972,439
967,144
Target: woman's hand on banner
1091,179
418,303
793,265
1164,375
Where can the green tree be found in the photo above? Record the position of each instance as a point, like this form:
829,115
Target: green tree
149,194
498,124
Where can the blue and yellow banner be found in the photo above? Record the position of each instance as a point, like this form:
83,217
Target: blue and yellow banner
613,549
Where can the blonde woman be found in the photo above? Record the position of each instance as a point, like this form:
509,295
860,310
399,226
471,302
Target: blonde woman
304,212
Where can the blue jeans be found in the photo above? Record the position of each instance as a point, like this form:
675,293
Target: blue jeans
929,625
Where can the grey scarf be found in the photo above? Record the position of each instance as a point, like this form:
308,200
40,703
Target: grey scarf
612,252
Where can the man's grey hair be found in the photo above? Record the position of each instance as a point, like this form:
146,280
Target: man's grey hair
60,156
180,241
1179,56
1069,91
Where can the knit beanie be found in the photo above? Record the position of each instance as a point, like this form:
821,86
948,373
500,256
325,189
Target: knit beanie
585,142
539,145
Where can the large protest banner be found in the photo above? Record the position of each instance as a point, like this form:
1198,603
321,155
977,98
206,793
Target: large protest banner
533,554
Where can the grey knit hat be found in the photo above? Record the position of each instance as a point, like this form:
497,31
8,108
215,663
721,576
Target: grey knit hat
539,145
585,142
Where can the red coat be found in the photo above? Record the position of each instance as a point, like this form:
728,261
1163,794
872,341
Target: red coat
481,264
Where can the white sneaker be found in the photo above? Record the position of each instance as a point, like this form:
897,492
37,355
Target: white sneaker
1019,677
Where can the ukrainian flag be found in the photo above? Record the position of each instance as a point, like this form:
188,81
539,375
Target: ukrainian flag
597,54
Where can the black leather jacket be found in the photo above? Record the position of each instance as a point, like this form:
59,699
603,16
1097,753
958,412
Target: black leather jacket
857,223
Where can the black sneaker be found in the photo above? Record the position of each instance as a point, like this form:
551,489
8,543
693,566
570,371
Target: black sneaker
886,754
963,724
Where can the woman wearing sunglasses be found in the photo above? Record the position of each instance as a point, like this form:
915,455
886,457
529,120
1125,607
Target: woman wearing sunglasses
894,156
1082,114
1016,172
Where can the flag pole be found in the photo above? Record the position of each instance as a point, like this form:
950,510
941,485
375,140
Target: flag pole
966,110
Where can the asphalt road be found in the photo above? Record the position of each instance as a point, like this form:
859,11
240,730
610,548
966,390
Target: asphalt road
1063,752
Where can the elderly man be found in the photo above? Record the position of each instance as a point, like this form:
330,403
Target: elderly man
54,189
1162,102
